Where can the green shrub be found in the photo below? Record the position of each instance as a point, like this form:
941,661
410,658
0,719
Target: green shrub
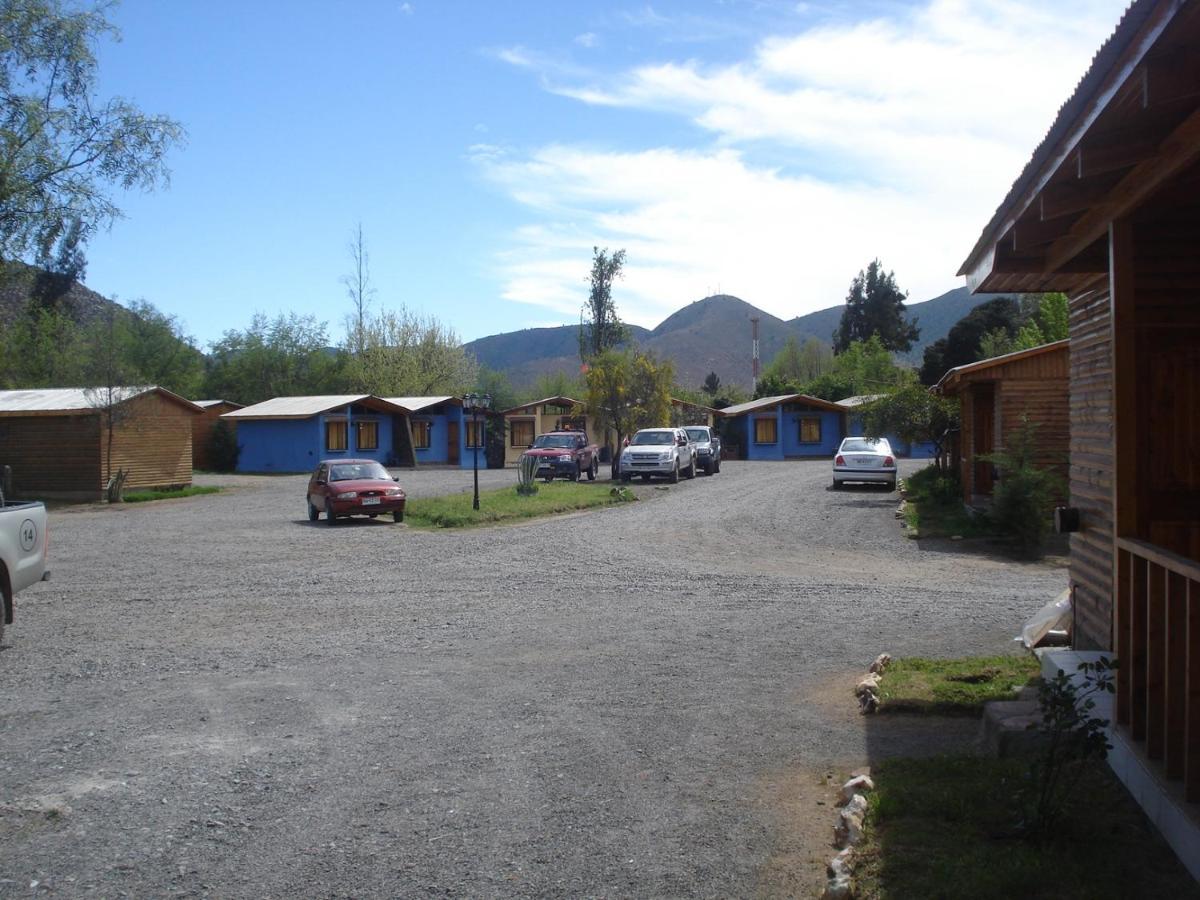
1025,494
527,467
224,449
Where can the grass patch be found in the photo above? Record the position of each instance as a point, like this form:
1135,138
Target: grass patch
191,491
934,507
946,827
953,687
506,505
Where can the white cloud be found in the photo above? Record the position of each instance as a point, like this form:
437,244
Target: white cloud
406,8
587,39
891,137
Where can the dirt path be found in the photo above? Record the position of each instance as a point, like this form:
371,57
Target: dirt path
216,698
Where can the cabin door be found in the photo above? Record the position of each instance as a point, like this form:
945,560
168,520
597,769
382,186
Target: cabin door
452,443
983,426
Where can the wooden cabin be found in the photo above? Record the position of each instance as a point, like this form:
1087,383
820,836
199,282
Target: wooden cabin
997,397
203,427
57,440
525,422
1108,211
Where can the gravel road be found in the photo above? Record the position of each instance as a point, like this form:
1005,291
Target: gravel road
214,697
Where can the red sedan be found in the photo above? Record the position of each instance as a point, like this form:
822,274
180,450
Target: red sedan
353,487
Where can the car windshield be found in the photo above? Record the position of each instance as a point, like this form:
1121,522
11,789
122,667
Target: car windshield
863,445
698,434
359,472
653,437
555,441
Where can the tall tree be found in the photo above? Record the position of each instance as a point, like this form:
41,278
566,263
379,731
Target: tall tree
961,344
875,305
287,355
63,147
628,390
865,367
600,328
360,291
915,414
408,355
796,364
712,385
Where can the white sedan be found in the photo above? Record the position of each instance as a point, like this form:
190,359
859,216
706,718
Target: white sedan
864,459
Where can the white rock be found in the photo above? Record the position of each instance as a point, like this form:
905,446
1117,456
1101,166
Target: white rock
882,661
838,889
849,828
867,684
860,784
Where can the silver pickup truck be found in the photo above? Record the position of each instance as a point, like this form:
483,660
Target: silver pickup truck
22,552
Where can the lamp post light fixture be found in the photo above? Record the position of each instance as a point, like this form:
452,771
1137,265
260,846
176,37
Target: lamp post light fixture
475,402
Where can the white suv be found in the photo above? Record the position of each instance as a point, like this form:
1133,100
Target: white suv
659,451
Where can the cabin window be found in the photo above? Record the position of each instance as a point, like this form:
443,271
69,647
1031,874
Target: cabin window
335,434
810,429
422,434
522,432
475,432
766,431
366,435
554,409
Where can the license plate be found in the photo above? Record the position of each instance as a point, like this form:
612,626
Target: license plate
864,461
370,501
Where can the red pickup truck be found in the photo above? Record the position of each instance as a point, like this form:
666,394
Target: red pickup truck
565,454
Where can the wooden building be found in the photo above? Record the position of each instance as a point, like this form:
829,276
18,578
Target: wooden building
997,397
525,422
684,412
1108,211
203,427
57,440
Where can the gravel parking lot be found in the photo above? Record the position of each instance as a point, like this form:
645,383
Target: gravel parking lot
215,697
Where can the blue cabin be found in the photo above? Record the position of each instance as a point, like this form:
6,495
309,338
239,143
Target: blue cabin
292,434
792,426
443,433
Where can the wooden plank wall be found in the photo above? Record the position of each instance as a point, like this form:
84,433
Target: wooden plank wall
1091,465
153,442
1038,388
1167,275
52,456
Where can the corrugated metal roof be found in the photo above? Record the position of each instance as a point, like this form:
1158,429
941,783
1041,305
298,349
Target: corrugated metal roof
764,402
208,404
301,407
42,400
859,400
561,401
1103,61
414,404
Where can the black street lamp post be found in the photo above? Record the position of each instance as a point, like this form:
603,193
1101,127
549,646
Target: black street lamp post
474,403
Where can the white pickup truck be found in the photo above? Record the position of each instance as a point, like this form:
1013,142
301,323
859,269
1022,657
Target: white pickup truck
22,552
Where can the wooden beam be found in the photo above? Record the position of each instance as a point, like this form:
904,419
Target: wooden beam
1156,661
1179,150
1172,77
1175,685
1073,197
1031,233
1191,761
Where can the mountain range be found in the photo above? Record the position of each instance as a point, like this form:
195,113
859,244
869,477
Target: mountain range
709,335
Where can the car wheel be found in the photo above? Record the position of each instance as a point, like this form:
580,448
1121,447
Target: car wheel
645,478
717,466
625,479
330,518
594,470
674,478
578,473
398,515
691,470
891,485
837,485
313,512
710,468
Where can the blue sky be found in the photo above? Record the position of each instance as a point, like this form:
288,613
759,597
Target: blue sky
764,149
